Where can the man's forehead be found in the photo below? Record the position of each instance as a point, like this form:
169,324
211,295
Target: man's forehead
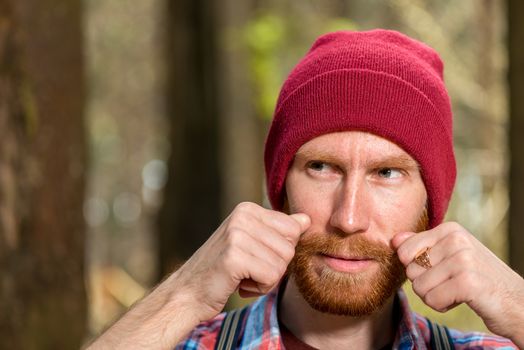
354,145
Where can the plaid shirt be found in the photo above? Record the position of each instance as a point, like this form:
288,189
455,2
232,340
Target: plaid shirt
261,331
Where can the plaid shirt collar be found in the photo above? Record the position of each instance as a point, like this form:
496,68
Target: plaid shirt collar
262,331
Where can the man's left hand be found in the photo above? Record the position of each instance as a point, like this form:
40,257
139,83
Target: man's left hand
463,270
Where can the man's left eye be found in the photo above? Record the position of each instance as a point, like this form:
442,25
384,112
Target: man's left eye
390,173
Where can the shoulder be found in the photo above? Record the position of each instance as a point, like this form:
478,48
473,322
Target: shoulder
463,340
478,340
203,336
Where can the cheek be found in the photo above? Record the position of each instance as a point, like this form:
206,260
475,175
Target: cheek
311,201
400,211
303,197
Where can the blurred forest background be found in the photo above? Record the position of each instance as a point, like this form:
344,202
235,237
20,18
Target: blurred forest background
129,129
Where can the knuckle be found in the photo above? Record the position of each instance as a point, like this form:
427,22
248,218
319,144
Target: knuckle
274,275
269,279
244,207
403,255
401,252
271,274
457,238
431,300
453,226
463,258
411,272
230,258
235,235
237,217
417,286
468,280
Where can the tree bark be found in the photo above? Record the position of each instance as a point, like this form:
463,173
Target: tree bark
42,167
515,11
216,136
242,131
191,209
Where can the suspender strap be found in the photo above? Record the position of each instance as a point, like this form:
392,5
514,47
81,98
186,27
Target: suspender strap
227,339
440,337
230,330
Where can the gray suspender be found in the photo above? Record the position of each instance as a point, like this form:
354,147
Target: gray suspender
440,337
227,339
230,331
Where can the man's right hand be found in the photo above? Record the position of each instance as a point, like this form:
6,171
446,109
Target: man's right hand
250,252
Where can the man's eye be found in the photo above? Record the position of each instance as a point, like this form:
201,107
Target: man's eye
389,173
317,166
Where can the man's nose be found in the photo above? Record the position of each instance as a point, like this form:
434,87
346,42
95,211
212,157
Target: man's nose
351,208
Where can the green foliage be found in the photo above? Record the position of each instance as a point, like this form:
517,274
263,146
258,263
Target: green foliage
264,38
268,38
340,23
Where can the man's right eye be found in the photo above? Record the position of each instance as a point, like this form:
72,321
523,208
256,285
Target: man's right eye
317,165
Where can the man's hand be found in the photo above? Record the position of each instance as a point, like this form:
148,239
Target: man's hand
250,251
464,271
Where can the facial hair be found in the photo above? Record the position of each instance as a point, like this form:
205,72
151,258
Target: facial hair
341,293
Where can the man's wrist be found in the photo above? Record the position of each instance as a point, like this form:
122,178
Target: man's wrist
181,295
161,320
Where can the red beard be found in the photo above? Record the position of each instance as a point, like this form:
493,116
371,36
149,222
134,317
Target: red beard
341,293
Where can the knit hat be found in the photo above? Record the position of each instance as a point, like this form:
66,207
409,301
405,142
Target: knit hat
378,81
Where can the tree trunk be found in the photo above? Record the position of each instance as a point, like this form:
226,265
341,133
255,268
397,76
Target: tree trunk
515,12
242,131
216,136
42,160
191,209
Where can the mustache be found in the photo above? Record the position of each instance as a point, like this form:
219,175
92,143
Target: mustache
350,246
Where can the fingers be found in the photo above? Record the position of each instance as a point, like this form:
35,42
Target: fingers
263,273
241,241
303,220
441,286
252,260
443,250
249,289
263,259
277,231
441,299
415,243
428,279
290,226
462,271
400,238
273,240
250,251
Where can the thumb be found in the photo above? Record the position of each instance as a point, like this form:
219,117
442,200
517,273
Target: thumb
400,238
303,220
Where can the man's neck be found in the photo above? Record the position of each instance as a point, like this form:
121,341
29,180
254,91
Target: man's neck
326,331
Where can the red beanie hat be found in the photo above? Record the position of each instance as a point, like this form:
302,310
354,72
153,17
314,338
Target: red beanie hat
378,81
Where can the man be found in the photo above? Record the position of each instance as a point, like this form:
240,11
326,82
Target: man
359,157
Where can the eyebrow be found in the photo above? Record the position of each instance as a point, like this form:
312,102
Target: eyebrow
387,161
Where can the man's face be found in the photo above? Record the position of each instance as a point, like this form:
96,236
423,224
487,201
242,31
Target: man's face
359,191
